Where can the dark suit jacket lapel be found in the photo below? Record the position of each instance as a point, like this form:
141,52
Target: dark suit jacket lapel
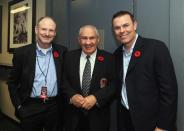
57,61
31,55
76,61
75,71
134,59
119,64
97,67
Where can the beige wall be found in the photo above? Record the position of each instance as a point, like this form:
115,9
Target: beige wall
6,105
6,58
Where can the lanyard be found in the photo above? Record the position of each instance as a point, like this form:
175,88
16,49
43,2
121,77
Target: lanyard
45,75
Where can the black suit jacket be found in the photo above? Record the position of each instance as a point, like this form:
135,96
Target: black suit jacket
150,83
21,77
99,116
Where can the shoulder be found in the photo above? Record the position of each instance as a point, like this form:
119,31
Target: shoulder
103,52
73,53
155,46
59,47
24,49
118,50
153,42
103,55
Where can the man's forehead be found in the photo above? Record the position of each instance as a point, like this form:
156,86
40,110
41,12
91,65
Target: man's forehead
88,31
46,20
122,20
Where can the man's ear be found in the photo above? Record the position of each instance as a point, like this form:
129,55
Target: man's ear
135,25
36,30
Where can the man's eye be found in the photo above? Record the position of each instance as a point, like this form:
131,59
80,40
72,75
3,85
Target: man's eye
125,26
117,28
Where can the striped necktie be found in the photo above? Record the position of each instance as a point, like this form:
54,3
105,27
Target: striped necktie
86,79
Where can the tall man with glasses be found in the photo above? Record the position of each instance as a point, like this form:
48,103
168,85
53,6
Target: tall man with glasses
35,80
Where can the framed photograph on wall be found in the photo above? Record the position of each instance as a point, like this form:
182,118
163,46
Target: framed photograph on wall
1,13
21,23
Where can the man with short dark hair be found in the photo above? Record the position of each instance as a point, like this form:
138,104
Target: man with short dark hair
146,81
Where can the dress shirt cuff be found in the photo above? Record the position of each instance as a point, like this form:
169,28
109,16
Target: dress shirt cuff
97,104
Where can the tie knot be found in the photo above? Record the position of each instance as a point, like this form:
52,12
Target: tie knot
88,56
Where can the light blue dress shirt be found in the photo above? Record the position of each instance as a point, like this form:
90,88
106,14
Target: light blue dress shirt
126,60
42,65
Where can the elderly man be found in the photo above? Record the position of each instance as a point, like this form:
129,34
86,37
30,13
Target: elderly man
88,84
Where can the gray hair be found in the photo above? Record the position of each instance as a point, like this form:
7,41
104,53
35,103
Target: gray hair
89,26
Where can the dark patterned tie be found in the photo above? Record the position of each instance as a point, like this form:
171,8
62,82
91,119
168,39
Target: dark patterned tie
86,79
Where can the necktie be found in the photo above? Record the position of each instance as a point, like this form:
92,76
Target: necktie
86,79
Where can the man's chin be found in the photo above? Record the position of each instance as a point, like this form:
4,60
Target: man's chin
124,41
46,42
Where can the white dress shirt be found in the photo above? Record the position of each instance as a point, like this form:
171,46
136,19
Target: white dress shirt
83,61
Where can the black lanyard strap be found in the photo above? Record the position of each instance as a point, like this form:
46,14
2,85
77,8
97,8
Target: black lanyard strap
45,75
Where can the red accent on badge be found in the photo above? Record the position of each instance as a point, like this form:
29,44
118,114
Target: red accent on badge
103,82
43,94
137,54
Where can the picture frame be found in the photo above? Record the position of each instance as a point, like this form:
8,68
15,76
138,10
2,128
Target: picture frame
22,14
1,22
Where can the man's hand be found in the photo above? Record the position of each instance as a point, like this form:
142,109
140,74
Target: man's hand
77,100
89,102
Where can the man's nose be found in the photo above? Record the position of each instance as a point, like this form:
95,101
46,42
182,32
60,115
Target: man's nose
47,32
88,41
122,29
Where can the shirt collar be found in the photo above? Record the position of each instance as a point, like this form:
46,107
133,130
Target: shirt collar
92,56
44,51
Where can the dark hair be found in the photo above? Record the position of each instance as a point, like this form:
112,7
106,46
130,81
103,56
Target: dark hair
121,13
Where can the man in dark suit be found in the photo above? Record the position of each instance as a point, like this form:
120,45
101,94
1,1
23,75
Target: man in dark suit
35,80
88,109
146,81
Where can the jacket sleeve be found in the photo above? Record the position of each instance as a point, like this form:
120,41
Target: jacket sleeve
14,79
66,86
167,87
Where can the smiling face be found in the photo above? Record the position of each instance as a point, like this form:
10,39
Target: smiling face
88,39
125,30
45,32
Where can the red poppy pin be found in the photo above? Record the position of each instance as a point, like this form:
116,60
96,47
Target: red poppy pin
137,54
100,58
55,54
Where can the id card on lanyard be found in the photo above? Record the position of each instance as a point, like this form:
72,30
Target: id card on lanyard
43,94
